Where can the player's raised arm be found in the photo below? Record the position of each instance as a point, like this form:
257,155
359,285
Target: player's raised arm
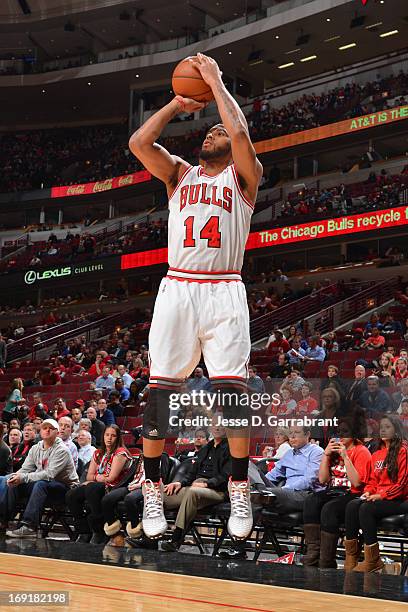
248,167
153,156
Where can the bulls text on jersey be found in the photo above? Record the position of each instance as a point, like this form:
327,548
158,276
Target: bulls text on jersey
202,193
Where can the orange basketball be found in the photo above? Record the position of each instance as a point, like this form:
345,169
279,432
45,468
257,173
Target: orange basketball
188,82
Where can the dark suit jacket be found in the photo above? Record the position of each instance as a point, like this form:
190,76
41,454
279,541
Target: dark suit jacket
97,431
396,400
221,461
356,390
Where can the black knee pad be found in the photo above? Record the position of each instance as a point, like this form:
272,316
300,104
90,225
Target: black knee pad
156,414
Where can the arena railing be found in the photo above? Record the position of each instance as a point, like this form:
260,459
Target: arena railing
23,347
289,313
333,317
103,326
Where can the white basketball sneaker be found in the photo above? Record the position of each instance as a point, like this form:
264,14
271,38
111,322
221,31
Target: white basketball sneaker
240,522
154,522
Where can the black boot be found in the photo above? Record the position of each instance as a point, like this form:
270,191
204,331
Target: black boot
82,530
84,538
176,541
235,551
143,542
98,534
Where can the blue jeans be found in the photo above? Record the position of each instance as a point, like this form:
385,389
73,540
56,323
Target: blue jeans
38,493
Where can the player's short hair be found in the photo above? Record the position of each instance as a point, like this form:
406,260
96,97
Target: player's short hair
216,126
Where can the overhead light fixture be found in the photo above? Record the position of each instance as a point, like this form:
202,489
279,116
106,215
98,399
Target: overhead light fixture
373,25
390,33
332,38
43,91
292,51
89,83
229,52
137,75
344,47
277,37
328,19
286,65
309,58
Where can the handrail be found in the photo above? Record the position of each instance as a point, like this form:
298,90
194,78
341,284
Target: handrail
335,316
21,347
83,330
294,311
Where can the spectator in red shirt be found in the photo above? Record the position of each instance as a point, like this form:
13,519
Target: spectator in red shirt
48,377
308,403
401,369
385,494
280,343
346,469
96,368
374,341
39,408
60,409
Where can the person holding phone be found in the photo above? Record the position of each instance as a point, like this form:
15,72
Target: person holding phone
345,469
385,494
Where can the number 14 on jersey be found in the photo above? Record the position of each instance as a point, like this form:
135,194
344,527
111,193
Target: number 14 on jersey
210,232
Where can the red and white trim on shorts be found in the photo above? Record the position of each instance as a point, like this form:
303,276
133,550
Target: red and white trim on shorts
203,276
162,382
232,382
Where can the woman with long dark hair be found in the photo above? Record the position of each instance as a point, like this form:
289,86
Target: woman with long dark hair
385,494
109,465
345,469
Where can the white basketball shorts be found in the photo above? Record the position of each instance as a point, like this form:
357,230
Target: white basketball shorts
191,318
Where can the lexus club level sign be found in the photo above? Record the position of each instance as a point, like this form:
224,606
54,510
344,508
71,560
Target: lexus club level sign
32,276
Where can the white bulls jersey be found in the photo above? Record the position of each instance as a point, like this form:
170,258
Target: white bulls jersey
208,226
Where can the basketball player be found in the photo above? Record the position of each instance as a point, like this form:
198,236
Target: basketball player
201,306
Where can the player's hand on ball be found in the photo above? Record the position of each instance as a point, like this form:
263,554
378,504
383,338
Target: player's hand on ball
187,105
209,69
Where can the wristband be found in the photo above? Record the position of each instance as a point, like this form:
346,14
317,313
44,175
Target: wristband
181,102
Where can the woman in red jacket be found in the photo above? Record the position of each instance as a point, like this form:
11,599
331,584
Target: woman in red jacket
385,494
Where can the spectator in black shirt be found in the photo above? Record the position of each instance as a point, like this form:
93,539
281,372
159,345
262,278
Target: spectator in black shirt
115,405
201,437
5,455
14,439
104,414
19,456
98,427
204,485
281,369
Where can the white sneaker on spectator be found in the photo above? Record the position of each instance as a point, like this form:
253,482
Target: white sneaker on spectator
154,522
240,522
22,532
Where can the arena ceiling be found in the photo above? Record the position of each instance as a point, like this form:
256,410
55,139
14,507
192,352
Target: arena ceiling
108,95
